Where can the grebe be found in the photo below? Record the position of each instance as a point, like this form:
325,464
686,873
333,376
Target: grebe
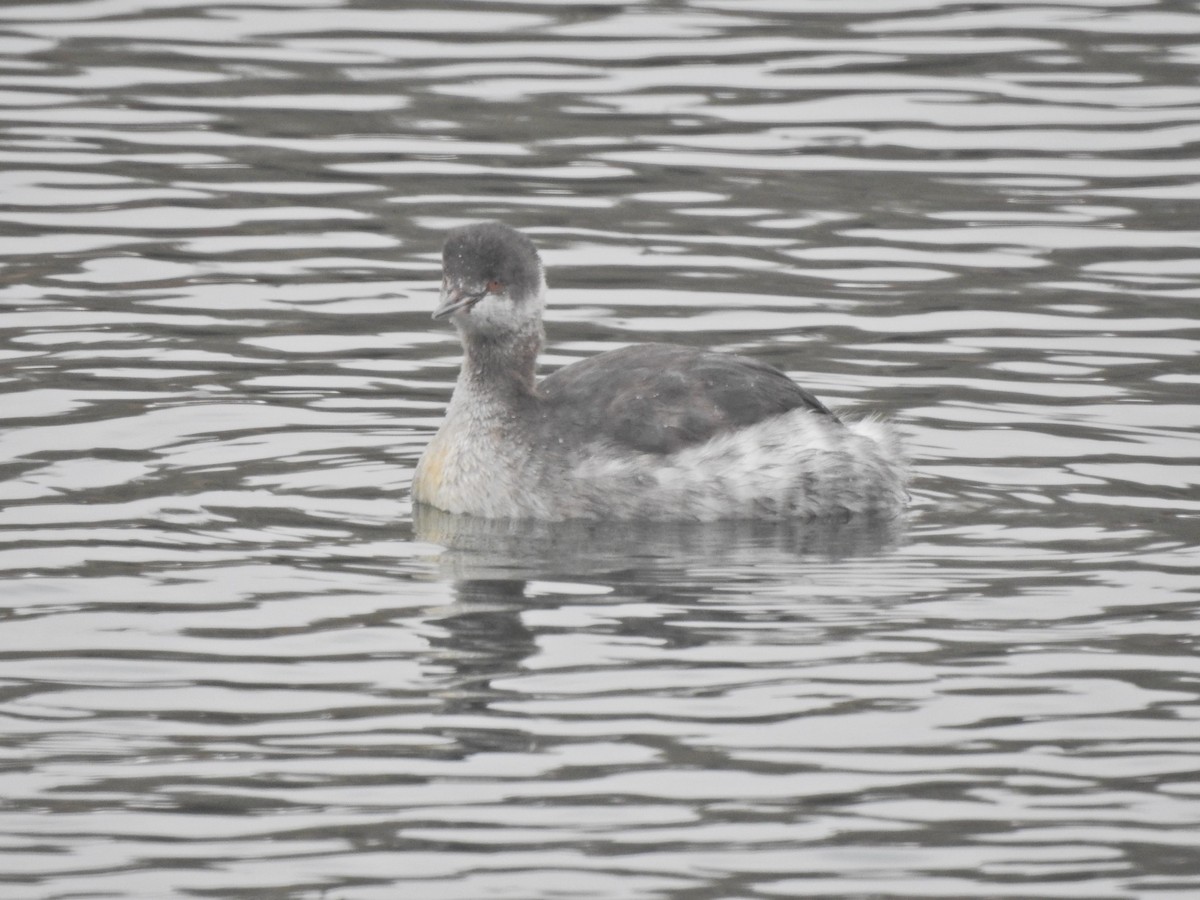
651,431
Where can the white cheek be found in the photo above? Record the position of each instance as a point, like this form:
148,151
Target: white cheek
492,311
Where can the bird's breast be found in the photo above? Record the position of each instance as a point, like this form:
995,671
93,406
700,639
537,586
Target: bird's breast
430,476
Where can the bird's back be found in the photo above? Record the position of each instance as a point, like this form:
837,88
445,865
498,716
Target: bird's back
661,398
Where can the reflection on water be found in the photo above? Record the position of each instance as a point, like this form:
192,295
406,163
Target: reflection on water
476,547
236,662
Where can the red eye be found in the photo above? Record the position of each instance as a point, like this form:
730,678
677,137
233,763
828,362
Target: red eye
494,286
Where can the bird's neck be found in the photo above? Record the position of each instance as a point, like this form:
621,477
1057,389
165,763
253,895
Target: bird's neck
500,368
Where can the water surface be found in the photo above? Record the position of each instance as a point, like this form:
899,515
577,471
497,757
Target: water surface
234,665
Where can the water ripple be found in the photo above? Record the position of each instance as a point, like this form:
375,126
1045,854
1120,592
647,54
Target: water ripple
236,661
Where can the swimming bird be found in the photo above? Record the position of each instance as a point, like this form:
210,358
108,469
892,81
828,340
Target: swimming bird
650,431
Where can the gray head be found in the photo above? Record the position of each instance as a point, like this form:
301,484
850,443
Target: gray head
492,281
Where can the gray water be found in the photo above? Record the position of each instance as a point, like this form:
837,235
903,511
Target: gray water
231,663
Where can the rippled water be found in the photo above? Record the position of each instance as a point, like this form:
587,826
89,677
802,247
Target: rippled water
234,666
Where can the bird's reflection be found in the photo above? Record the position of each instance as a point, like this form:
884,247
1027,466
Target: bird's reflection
504,550
485,634
483,637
